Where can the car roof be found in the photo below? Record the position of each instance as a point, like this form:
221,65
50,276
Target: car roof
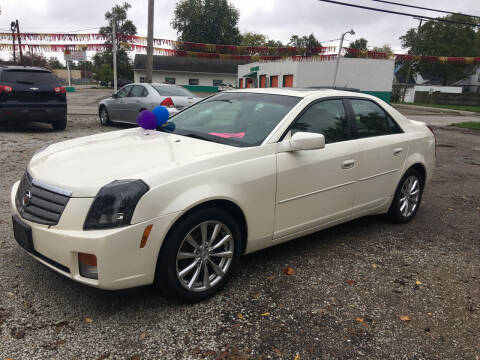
16,67
302,92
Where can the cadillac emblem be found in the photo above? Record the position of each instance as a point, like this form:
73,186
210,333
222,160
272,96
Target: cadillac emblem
26,198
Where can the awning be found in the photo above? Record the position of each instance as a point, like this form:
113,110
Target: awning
251,75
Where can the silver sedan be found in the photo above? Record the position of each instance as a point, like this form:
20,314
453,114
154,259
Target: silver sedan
126,103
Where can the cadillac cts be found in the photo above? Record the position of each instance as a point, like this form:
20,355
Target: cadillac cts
242,171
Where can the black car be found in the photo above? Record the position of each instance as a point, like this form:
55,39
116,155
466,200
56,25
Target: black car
32,94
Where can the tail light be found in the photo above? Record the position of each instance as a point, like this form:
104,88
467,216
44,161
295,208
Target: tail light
167,102
5,89
60,90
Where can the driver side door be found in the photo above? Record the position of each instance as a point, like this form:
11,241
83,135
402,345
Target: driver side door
117,105
316,187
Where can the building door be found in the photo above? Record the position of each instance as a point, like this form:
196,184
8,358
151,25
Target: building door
274,81
249,83
240,84
263,81
287,80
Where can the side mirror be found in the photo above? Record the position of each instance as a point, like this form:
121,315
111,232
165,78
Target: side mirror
305,141
114,95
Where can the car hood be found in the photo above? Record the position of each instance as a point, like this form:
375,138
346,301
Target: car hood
84,165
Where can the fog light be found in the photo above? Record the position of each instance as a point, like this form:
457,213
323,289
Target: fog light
87,264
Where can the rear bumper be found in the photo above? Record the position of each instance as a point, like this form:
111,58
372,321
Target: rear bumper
33,112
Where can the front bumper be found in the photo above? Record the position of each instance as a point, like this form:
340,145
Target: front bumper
120,260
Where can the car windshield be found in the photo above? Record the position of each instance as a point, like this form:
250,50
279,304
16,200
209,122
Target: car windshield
30,77
235,118
172,91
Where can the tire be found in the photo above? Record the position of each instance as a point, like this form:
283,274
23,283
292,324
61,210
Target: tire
183,276
104,117
60,124
407,197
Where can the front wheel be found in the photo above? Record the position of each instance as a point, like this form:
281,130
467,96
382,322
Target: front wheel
104,118
407,197
199,255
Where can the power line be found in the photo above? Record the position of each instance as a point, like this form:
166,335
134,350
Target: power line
424,8
399,13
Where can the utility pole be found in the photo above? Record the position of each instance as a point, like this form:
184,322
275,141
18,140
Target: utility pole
12,27
411,62
351,32
114,44
149,64
19,43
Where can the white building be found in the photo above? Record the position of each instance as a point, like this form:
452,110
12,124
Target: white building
197,74
472,83
372,76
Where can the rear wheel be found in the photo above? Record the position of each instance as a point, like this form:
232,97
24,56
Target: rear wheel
199,255
103,116
407,197
60,124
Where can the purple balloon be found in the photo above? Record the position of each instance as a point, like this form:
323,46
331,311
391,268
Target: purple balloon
147,120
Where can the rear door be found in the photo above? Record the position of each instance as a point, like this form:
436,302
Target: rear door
382,149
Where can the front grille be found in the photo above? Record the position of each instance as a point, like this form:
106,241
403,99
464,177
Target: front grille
45,204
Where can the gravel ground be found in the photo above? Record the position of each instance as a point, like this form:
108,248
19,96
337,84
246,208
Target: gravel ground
368,289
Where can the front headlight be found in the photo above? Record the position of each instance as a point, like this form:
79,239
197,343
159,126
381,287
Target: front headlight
114,204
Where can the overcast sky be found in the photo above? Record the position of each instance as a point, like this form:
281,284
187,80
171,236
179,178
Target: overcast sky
278,19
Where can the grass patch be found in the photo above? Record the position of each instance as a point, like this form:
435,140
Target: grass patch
451,107
475,125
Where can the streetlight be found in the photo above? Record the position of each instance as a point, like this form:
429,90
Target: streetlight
351,32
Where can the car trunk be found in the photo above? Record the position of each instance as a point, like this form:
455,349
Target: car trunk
30,86
181,102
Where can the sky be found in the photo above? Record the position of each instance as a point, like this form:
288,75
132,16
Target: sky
278,19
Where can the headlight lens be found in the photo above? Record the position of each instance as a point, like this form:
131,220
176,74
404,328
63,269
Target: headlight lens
114,204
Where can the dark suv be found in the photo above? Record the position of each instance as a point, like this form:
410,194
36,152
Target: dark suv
32,94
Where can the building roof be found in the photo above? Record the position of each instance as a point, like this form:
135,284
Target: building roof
190,64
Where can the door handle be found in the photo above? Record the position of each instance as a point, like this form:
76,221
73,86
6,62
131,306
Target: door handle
397,151
348,164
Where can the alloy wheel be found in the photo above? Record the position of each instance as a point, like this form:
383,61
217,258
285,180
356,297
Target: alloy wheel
409,196
104,117
204,256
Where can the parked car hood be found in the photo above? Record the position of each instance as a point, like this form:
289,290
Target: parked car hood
84,165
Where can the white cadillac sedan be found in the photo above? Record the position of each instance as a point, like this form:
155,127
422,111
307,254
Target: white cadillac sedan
242,171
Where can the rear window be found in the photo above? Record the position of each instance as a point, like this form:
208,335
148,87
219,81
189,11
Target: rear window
29,77
172,91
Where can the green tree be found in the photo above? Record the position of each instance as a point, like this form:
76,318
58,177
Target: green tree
253,39
104,73
443,39
124,26
358,44
54,63
384,49
309,41
207,21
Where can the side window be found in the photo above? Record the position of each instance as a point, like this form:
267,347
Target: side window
137,91
145,92
325,117
123,92
372,120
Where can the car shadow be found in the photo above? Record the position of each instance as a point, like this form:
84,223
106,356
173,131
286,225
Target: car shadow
26,127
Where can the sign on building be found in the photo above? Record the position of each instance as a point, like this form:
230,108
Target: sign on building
75,55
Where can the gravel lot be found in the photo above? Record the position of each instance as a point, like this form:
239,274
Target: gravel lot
353,284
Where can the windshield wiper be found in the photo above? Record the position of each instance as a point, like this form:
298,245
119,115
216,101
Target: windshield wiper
200,137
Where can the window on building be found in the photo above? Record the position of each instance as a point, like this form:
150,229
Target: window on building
170,80
372,120
217,82
193,82
142,79
326,118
